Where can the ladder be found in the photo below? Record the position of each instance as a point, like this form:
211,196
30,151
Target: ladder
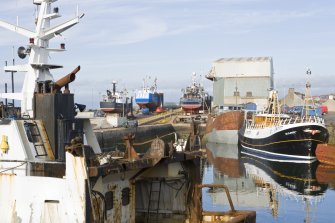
34,136
154,199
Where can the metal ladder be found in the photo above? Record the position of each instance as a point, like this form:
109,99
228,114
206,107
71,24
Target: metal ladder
154,196
36,138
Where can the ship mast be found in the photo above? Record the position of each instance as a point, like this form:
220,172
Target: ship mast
38,67
309,103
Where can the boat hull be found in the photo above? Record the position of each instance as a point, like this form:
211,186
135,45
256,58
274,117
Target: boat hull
325,153
114,107
151,101
224,128
293,143
191,105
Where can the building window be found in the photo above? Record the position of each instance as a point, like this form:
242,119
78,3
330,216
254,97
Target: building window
249,94
236,93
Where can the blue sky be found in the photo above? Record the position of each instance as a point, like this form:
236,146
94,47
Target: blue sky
126,40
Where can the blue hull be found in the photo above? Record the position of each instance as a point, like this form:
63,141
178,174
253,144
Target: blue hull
151,102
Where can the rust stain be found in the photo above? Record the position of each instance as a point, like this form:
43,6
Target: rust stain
45,139
130,153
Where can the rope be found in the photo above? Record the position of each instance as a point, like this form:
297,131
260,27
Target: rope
148,141
13,167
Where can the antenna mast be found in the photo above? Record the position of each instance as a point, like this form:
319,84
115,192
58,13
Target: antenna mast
38,66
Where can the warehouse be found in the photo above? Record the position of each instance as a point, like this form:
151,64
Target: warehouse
241,80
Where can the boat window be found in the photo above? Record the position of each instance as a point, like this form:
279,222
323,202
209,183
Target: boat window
125,196
109,199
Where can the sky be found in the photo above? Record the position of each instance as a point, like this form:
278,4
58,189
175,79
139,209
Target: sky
128,40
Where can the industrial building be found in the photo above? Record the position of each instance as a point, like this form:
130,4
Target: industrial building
241,81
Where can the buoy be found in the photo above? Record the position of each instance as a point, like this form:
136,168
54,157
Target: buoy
4,144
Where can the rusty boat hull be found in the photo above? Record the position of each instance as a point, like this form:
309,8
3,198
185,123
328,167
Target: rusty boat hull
224,127
325,153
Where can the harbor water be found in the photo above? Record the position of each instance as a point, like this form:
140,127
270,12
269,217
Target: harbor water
277,191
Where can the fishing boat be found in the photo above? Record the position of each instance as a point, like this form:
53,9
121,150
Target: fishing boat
148,98
52,168
116,101
277,136
194,98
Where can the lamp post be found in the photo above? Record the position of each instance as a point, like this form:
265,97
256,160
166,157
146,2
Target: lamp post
236,88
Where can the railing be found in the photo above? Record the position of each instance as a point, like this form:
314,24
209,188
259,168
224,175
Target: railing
285,121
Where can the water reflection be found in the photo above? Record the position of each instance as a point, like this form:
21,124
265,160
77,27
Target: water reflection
256,183
326,174
230,171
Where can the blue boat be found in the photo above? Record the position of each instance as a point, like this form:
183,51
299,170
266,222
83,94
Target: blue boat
148,97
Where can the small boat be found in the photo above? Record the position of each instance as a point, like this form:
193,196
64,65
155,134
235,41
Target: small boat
149,97
116,101
194,98
277,136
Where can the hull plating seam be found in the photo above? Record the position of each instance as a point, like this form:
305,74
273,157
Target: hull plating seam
285,141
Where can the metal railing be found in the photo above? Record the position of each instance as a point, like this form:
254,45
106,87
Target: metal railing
285,121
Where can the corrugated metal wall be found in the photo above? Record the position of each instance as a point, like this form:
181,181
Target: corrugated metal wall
252,77
257,86
243,67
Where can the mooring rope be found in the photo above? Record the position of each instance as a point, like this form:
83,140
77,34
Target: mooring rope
148,141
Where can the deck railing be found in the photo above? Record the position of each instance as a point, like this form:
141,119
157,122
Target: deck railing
250,124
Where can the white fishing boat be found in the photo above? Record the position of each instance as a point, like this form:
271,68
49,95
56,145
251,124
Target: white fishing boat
48,173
